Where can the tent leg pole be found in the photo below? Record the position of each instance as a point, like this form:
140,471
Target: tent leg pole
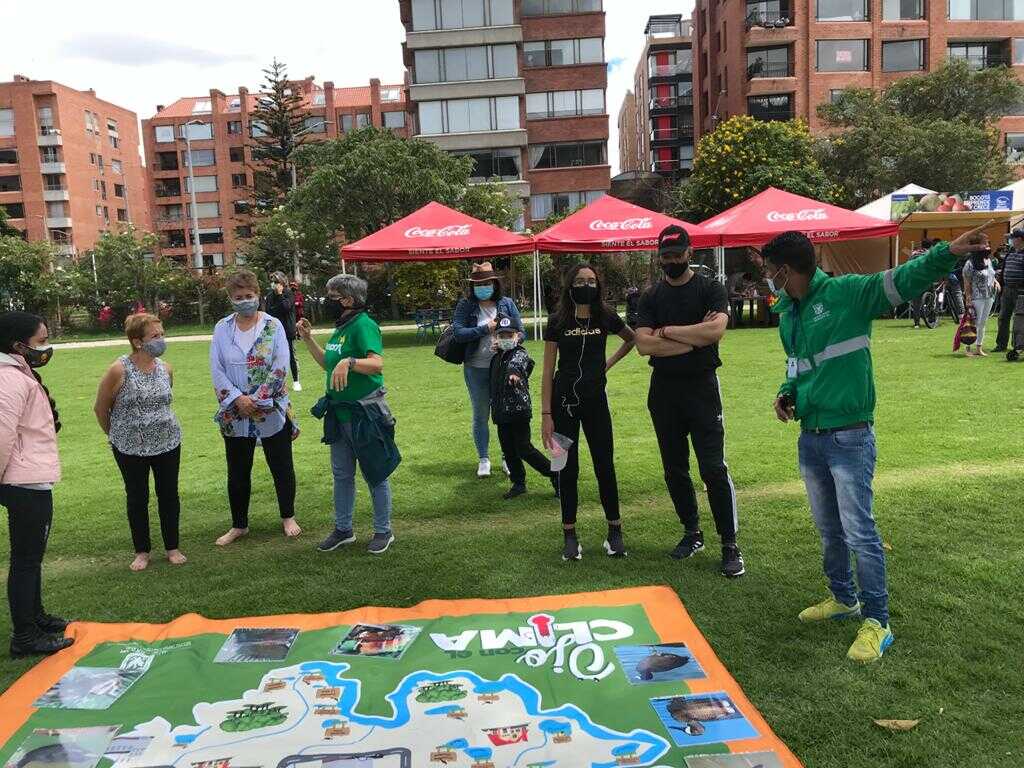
343,267
536,295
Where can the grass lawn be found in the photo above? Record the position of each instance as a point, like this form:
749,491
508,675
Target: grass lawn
948,502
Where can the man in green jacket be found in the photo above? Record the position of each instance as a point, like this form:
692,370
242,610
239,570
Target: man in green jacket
825,325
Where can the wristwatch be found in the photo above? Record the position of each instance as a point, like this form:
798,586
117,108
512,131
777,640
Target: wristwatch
351,364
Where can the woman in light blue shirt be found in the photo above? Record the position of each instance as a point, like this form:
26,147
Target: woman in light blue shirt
249,362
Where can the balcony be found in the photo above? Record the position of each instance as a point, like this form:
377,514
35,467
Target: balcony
66,250
768,20
779,113
765,70
166,191
672,135
672,166
55,195
983,61
169,221
58,222
52,167
49,137
671,103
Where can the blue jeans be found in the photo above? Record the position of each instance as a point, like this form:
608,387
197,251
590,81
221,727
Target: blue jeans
343,465
838,469
478,382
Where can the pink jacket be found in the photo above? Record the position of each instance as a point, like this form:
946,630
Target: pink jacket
28,441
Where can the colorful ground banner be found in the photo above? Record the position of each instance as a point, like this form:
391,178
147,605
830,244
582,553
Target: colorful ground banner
618,678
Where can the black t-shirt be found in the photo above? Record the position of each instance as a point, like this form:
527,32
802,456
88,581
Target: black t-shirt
663,304
581,353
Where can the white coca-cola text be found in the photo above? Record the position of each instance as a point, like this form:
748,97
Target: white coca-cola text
452,230
804,214
597,225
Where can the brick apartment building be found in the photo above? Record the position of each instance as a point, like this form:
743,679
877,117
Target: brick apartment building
778,59
220,130
520,86
630,142
70,167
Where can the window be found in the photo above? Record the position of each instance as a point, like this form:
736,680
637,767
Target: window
6,122
174,238
211,235
553,53
835,95
116,167
670,63
59,210
207,210
842,55
10,183
768,62
99,210
567,155
460,14
45,117
208,260
388,95
99,163
315,124
842,10
49,155
53,181
200,158
103,190
469,115
202,107
460,64
171,212
167,161
167,188
257,129
1015,147
14,210
122,214
8,156
551,7
986,10
236,154
895,10
347,122
979,55
241,207
501,164
196,131
244,230
542,206
394,119
234,128
779,107
115,142
202,184
239,180
119,190
363,120
564,103
902,55
1018,50
163,133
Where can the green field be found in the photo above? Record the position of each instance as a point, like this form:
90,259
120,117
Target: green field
948,503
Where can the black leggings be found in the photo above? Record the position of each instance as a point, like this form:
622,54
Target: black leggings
517,448
135,471
29,515
294,361
593,414
277,450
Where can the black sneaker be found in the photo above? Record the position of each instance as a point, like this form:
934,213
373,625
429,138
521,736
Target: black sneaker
688,546
380,542
732,561
42,644
614,545
54,624
555,485
517,489
336,539
572,549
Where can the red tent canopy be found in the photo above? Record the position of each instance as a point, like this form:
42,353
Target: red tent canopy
609,224
435,233
765,215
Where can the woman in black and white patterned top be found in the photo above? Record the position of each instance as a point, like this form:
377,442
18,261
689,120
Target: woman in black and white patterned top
133,407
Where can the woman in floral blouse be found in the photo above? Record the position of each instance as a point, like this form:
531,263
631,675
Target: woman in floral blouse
249,362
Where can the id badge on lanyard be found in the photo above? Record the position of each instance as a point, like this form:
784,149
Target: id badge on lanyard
791,368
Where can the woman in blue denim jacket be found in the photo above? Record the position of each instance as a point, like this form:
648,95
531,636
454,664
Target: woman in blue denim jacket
474,322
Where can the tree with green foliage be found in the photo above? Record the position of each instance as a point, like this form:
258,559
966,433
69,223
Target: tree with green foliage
743,157
6,230
938,129
26,275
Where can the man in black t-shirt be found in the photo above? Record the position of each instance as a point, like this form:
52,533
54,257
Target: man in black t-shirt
682,319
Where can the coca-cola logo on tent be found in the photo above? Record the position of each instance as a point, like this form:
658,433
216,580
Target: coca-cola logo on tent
452,230
626,225
804,214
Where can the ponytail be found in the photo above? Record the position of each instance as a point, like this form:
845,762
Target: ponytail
20,327
53,404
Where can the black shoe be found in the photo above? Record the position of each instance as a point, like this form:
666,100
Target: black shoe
517,489
555,485
613,545
998,349
572,549
732,561
688,546
54,624
336,539
42,644
380,542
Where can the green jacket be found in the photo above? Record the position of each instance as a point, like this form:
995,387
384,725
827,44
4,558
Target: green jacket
828,335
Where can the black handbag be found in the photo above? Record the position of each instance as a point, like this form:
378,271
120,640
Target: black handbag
450,350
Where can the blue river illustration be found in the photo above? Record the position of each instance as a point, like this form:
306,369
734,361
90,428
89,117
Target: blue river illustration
643,744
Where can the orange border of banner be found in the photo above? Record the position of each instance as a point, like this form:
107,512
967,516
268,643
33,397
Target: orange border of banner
664,609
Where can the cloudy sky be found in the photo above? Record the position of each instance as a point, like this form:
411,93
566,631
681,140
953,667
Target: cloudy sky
140,54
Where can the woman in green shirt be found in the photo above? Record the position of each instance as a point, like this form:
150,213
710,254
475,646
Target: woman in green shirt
352,359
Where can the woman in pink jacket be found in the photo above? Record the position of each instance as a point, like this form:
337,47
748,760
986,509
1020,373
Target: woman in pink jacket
29,468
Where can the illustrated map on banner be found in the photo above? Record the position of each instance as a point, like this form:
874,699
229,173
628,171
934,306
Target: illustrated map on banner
618,678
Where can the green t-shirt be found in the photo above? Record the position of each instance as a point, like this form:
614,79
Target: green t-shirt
357,338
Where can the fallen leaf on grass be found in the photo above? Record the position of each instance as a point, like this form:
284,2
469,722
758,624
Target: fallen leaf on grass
887,546
897,725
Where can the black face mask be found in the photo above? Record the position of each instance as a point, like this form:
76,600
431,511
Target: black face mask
675,269
584,294
334,310
36,358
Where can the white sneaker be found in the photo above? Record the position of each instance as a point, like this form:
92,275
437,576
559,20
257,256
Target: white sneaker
504,468
484,468
296,387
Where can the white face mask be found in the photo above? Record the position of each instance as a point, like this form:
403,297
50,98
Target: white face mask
506,345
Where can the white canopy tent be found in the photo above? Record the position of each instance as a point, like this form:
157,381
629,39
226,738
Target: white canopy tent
882,207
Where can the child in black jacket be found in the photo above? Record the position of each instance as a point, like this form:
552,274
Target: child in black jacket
511,408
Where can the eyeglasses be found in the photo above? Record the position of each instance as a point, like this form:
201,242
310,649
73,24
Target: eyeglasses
581,283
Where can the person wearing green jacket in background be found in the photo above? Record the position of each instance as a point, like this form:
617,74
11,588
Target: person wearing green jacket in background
825,326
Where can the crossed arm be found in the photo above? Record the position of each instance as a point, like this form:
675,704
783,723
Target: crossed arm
673,340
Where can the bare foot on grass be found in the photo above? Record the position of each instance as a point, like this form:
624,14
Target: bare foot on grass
233,535
140,562
291,528
175,557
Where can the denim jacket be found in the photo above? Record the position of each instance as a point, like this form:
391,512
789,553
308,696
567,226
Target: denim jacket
373,433
467,314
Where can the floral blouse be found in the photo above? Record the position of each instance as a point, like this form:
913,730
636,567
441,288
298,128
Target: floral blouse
258,372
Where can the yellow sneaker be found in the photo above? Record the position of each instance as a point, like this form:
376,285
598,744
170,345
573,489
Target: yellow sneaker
872,640
829,609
